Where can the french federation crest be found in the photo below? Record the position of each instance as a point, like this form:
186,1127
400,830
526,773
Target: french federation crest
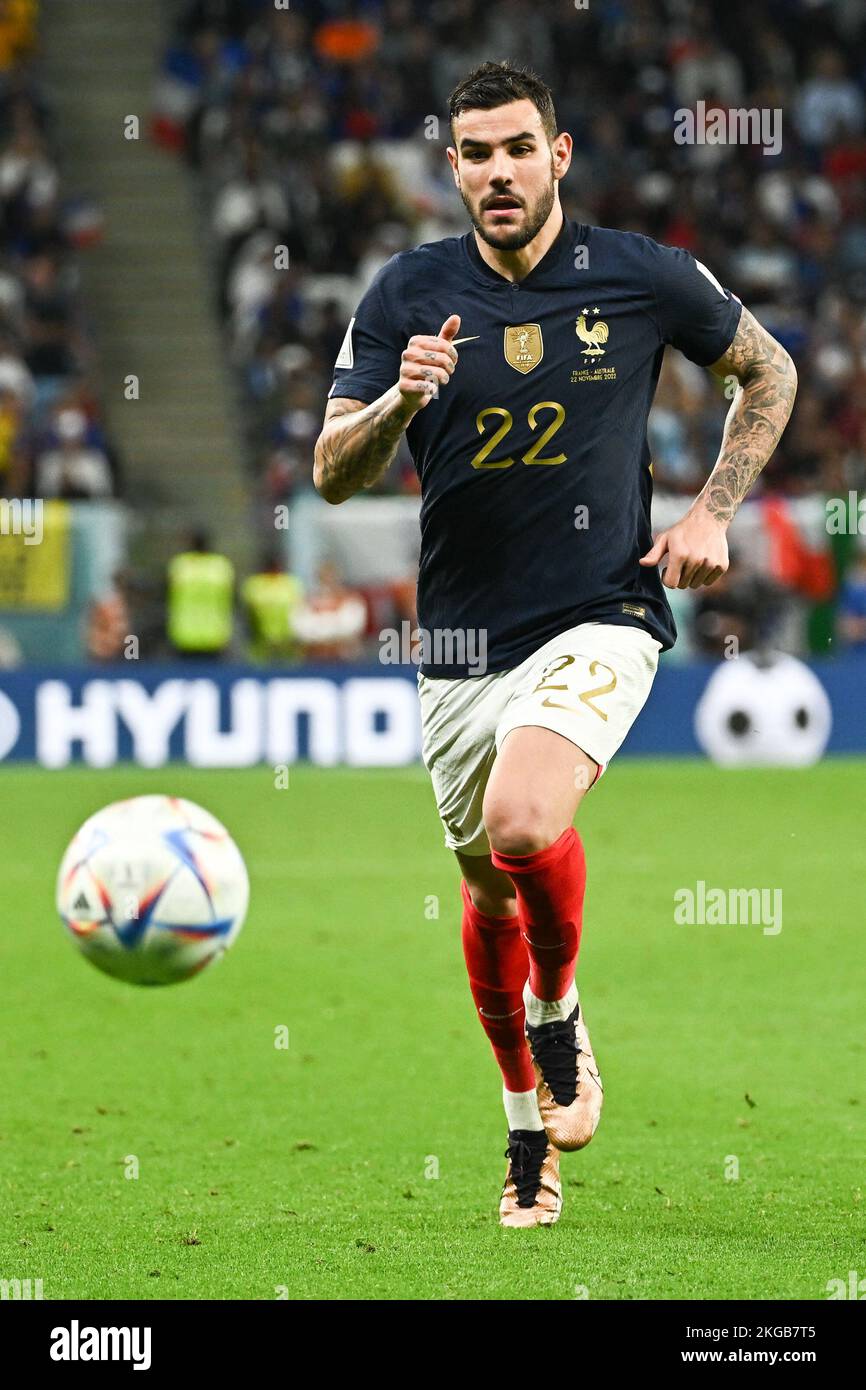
524,346
593,336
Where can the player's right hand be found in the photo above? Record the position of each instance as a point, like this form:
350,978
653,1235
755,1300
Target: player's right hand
427,363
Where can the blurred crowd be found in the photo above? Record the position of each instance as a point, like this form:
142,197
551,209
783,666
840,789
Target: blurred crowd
204,610
312,128
52,439
322,127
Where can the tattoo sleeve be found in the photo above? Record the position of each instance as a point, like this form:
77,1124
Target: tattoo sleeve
357,444
759,413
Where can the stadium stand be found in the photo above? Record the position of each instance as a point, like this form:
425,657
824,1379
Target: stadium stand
53,438
170,400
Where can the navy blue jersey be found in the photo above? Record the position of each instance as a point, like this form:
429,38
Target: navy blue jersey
533,460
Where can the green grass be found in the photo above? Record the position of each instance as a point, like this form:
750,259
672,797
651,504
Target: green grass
305,1168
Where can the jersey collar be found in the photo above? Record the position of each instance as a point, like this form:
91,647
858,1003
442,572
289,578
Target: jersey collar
569,235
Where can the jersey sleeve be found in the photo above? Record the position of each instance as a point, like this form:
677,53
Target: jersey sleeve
368,362
696,314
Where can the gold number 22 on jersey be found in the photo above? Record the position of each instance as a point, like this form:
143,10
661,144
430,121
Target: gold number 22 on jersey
482,458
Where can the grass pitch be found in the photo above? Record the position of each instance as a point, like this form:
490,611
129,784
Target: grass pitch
365,1160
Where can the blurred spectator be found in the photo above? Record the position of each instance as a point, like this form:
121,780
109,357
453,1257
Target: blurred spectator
851,613
72,469
331,621
15,375
738,613
676,445
13,458
830,104
200,600
251,201
705,66
17,31
271,599
108,622
48,311
10,651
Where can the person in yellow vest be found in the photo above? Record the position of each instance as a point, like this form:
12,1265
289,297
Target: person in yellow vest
200,600
270,599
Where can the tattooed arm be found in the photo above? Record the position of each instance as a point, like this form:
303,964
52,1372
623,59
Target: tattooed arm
355,453
759,413
696,547
358,442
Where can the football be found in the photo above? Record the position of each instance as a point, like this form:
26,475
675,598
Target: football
152,890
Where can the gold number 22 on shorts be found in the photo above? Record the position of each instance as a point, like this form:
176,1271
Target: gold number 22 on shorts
585,696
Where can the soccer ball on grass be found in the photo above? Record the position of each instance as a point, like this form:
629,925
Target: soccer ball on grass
152,890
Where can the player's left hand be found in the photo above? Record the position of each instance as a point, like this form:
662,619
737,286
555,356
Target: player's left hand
697,551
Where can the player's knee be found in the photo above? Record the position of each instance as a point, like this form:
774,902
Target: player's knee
517,828
492,904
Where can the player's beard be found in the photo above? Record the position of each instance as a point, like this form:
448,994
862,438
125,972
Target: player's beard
515,239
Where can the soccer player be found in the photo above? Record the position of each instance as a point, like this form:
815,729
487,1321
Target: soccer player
540,603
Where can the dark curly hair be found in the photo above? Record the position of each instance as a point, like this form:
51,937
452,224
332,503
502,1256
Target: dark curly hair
496,84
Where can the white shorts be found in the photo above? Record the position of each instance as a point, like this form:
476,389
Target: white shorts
588,684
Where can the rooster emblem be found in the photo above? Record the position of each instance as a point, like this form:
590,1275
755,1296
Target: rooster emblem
594,336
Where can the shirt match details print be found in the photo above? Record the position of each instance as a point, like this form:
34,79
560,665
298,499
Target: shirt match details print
546,411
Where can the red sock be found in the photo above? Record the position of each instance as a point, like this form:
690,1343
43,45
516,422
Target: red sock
498,966
550,887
